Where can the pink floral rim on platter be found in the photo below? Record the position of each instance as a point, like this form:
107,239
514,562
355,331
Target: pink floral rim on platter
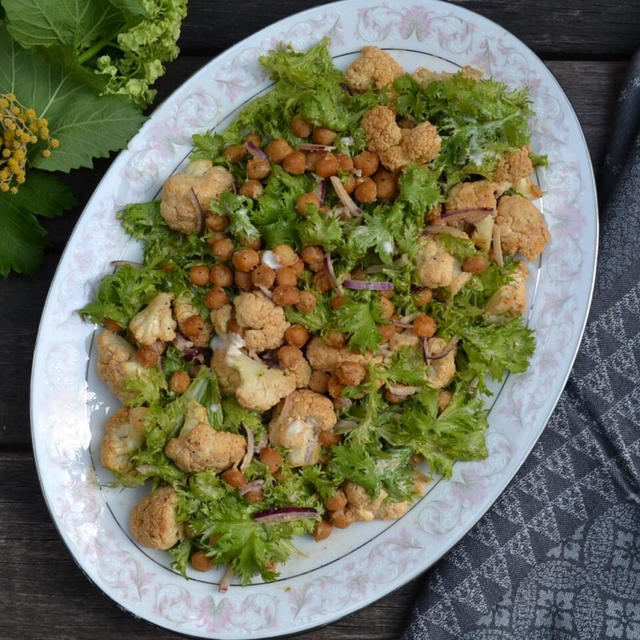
369,560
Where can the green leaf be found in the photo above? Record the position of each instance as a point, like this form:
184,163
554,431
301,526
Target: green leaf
359,316
34,23
21,236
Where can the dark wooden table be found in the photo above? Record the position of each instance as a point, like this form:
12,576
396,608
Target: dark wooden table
585,43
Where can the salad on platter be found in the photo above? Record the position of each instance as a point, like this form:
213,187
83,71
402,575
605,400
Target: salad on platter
327,289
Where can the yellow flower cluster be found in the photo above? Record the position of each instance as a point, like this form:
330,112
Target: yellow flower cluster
19,128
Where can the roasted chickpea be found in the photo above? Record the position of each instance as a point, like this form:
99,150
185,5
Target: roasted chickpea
366,191
278,150
387,331
235,153
147,356
424,326
263,275
295,163
323,135
193,327
188,531
298,267
319,381
199,275
334,387
423,297
312,158
271,458
327,165
179,381
311,254
221,275
234,327
315,267
367,163
387,307
342,518
345,163
321,282
254,496
245,259
337,302
329,438
222,249
287,277
358,274
322,530
253,138
386,184
337,501
251,242
307,201
215,222
216,298
300,127
258,169
111,325
235,478
307,302
392,398
289,356
475,264
287,257
286,296
296,335
243,280
349,184
252,189
350,374
200,561
444,399
336,339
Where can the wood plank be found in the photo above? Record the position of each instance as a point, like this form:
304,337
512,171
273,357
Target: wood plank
590,29
591,86
43,594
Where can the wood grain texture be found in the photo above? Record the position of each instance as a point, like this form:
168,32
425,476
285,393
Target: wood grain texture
43,594
559,28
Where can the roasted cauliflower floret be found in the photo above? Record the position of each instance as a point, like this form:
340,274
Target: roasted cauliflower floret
435,265
421,143
265,322
124,433
204,448
154,322
325,358
255,385
514,166
117,363
510,300
220,318
186,195
522,227
297,423
425,76
381,128
480,194
154,521
365,508
440,372
374,69
191,323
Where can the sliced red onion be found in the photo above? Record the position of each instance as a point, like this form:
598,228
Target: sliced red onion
497,246
261,444
181,342
250,449
331,274
285,514
194,354
402,324
309,453
368,284
428,356
321,190
264,290
198,208
402,390
346,88
470,214
123,263
256,151
343,426
309,146
437,229
226,580
254,485
344,197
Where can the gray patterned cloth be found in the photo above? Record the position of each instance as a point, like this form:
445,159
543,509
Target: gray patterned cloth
558,555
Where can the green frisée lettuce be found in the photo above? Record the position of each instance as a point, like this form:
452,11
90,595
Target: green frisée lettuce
394,368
